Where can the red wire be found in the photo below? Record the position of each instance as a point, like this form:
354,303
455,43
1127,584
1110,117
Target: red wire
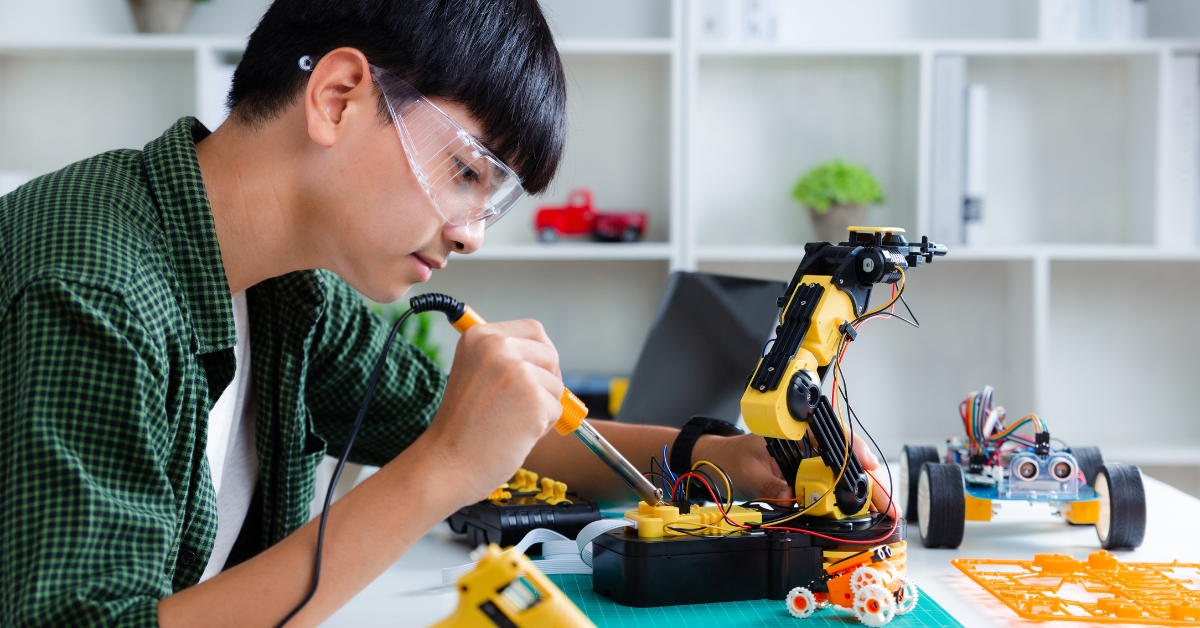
735,524
711,493
890,531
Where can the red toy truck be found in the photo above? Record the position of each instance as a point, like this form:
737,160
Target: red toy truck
578,217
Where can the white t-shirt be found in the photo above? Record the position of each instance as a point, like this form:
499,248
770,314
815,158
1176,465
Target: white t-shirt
231,452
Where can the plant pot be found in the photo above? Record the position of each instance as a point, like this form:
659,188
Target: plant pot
831,226
160,16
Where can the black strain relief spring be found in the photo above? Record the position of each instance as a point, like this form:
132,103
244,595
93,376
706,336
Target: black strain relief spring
434,302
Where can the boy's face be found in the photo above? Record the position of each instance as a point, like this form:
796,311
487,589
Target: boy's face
381,230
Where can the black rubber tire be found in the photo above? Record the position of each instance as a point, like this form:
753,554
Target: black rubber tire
942,503
1122,522
547,235
631,234
1090,460
911,459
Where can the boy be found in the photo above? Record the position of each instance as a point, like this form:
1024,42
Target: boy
176,367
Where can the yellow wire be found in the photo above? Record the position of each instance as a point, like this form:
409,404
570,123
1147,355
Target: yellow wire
720,472
899,291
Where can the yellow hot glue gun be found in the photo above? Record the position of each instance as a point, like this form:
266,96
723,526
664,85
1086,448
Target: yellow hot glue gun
506,589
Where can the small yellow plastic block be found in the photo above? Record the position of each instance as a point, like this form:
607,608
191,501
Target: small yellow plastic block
667,521
500,494
547,490
1103,561
1082,512
1055,564
559,496
1185,612
525,481
978,509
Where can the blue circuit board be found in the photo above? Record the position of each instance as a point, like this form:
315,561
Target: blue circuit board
1086,494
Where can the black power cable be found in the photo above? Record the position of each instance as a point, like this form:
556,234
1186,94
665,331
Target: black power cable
453,309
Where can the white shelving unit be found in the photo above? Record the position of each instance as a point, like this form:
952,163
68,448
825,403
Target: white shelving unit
1074,305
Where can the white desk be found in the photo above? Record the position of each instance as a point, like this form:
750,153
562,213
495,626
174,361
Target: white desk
402,596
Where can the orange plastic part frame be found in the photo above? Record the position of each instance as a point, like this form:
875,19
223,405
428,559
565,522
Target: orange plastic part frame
1098,590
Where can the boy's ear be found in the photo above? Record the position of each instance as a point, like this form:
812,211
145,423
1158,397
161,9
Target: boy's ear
340,87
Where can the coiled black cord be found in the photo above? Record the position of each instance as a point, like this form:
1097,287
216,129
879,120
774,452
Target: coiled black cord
433,302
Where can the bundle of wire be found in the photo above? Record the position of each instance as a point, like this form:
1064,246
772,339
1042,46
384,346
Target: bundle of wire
984,424
680,483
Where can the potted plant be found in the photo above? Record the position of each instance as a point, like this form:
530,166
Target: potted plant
838,195
160,16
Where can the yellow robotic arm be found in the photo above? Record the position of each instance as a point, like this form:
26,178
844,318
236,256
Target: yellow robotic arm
783,400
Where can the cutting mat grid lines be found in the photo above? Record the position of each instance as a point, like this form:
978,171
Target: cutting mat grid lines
759,613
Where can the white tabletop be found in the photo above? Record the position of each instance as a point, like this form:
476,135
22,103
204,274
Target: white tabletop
407,594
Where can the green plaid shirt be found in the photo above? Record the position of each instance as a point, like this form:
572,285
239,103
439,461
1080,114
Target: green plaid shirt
116,328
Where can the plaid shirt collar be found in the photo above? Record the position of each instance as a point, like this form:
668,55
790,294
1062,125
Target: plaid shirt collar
191,235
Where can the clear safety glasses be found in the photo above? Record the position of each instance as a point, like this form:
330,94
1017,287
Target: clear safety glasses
467,182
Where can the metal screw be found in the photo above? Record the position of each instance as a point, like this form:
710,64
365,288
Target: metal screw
762,388
841,281
804,303
770,368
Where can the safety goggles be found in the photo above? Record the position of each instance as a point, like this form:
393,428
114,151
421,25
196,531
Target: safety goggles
466,181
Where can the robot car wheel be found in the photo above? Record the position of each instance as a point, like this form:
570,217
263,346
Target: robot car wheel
801,603
941,505
1122,523
911,459
874,605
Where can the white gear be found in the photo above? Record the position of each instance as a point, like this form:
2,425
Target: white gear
910,595
801,603
874,605
864,576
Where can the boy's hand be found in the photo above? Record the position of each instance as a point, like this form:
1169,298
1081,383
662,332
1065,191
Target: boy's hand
755,473
502,395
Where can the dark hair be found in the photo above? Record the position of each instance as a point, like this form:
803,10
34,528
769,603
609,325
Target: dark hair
497,58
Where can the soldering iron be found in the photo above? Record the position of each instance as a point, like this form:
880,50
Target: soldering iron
462,317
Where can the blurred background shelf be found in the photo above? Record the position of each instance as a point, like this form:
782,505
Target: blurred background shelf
703,114
613,251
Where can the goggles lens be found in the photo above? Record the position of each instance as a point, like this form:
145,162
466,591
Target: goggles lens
467,182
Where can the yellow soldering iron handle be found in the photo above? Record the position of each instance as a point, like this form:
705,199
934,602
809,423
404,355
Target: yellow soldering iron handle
574,410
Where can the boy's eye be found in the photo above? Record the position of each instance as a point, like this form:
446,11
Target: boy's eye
467,173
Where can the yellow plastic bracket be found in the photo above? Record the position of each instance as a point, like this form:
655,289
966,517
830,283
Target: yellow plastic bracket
978,509
547,490
1081,512
500,494
665,521
558,494
524,481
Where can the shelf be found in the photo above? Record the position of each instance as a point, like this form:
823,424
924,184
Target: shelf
562,251
123,43
630,46
968,47
1085,252
120,43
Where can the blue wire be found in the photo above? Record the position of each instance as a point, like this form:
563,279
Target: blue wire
667,468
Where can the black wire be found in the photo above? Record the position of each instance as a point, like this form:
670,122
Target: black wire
854,415
884,312
337,473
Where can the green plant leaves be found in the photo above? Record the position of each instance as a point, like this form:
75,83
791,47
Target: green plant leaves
837,182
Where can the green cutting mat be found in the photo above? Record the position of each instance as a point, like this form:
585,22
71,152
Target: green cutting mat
759,613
